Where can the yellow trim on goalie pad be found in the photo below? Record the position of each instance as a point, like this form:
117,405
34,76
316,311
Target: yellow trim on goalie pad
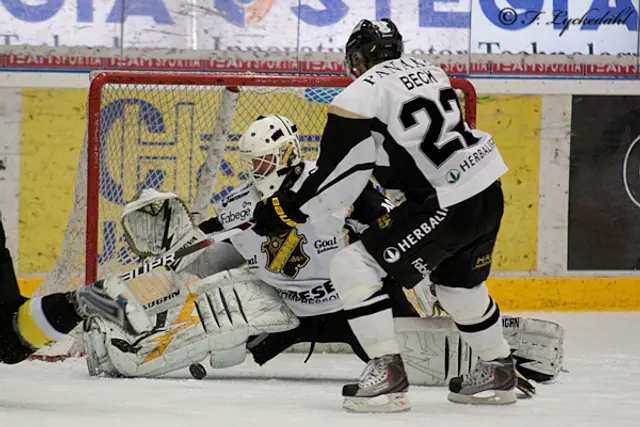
534,293
29,329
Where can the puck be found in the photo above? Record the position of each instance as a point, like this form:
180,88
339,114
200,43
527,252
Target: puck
197,371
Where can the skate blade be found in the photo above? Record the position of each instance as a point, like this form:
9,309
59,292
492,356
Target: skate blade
392,402
489,397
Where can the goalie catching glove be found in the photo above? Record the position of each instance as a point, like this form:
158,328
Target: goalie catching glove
158,223
216,318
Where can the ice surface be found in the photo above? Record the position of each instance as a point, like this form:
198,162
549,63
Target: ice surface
602,352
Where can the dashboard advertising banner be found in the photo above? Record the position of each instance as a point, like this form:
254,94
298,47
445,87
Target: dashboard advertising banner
604,184
588,27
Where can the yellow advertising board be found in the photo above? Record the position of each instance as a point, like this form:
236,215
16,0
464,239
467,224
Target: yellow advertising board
53,128
52,131
514,123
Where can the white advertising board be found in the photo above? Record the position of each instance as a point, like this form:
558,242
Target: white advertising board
428,26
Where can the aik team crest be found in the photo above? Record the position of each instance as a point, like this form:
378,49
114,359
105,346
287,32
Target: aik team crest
285,253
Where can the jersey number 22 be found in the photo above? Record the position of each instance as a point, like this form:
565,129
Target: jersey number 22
436,145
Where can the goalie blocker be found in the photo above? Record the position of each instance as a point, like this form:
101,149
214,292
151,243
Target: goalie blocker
225,315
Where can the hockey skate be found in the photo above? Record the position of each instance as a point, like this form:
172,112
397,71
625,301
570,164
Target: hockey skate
382,387
489,383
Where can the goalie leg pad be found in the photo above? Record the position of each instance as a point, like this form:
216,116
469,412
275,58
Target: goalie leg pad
252,302
537,346
432,350
177,343
216,323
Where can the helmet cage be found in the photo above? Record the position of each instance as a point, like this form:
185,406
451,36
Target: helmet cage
266,153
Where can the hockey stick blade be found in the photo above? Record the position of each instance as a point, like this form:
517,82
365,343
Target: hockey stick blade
170,259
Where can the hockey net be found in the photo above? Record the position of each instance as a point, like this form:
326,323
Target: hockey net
175,132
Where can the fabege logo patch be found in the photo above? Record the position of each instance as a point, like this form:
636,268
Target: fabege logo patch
229,217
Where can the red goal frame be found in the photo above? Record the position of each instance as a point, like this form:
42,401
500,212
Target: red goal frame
231,82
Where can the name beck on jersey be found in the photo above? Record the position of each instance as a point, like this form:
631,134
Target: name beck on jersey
393,253
417,79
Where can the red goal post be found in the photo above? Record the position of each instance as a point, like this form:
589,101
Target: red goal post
176,132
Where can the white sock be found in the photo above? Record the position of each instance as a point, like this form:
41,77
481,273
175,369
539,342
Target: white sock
372,323
477,317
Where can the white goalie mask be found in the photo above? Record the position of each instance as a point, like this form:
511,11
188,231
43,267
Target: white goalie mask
268,146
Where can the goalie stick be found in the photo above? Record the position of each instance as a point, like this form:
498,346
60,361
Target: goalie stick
170,259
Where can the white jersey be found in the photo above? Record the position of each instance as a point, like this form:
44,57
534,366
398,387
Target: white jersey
296,264
405,128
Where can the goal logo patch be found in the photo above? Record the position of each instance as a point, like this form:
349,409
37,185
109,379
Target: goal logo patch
285,253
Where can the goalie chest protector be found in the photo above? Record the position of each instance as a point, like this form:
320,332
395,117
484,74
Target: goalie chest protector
295,263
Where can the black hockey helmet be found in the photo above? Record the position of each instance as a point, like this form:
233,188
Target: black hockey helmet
370,43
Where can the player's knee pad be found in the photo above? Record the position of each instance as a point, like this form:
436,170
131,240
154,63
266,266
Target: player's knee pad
464,305
355,275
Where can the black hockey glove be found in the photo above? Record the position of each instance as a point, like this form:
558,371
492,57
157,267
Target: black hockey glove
277,214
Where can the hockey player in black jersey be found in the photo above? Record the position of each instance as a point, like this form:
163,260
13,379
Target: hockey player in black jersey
400,121
28,324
